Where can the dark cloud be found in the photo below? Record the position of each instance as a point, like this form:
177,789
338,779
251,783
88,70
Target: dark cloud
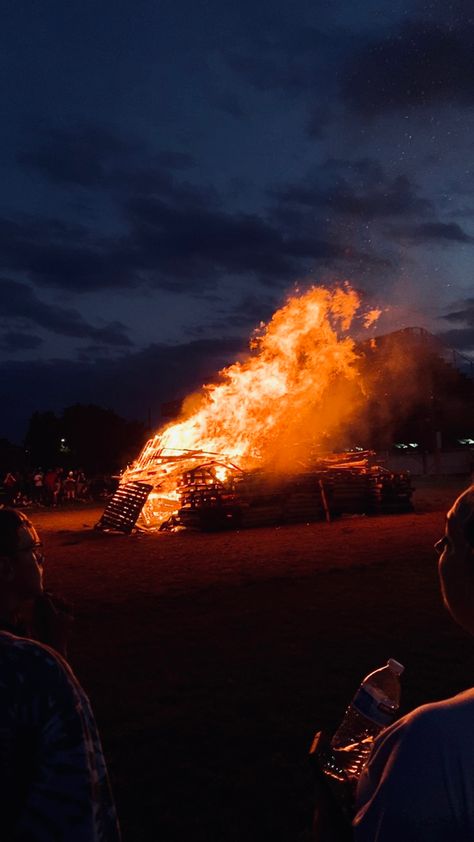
187,243
174,246
152,181
134,384
293,60
193,243
422,63
13,341
358,188
54,254
93,157
243,317
367,173
462,212
465,315
20,303
296,62
440,232
175,236
83,155
462,338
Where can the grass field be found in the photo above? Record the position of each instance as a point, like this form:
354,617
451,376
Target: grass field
210,660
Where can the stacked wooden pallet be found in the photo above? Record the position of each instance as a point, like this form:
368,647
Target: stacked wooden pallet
350,491
206,502
256,498
373,491
391,492
259,498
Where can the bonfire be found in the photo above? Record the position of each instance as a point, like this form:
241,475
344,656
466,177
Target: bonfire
270,411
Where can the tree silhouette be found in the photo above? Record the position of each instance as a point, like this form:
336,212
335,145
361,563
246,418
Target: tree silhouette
86,436
43,440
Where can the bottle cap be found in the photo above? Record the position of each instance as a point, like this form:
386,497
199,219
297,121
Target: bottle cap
395,666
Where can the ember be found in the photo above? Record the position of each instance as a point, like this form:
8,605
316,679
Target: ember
245,451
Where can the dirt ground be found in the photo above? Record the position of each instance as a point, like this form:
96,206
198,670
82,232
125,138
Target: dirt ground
211,659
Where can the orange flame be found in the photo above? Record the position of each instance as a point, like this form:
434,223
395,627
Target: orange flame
371,317
288,388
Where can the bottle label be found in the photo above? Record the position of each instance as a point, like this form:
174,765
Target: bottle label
377,710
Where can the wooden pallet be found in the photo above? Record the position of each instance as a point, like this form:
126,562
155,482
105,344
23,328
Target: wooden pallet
122,511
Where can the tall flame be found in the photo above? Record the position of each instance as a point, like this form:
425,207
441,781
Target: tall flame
288,388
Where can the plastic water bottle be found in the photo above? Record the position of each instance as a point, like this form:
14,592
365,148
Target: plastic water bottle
372,709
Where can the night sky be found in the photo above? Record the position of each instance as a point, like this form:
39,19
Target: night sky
172,170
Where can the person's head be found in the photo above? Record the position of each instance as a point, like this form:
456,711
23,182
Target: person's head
21,558
456,560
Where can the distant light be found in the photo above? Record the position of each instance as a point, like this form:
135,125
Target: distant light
62,441
412,444
401,446
466,441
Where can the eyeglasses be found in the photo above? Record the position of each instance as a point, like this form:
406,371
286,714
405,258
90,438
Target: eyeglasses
441,545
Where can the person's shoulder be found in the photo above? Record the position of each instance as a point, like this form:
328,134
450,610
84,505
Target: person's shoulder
433,713
33,661
416,764
425,725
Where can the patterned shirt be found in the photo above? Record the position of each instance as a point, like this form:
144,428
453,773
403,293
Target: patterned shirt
53,779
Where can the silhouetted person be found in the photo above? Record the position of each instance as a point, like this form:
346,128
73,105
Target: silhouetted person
25,608
50,485
69,487
53,778
38,487
419,782
10,484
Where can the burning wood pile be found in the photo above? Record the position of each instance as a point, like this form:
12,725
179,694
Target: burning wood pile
246,499
214,494
259,498
299,383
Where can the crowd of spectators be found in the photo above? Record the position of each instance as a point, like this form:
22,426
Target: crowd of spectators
53,487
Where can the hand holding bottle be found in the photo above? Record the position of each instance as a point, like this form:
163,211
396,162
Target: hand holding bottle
372,709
